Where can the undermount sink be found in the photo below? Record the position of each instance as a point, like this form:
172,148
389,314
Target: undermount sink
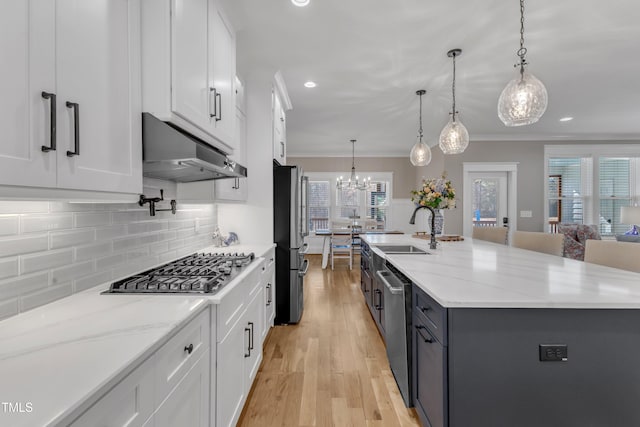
402,249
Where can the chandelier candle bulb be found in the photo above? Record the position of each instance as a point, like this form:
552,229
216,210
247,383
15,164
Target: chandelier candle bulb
354,181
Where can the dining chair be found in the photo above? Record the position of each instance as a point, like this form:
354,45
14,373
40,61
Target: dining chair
342,247
540,242
490,234
622,255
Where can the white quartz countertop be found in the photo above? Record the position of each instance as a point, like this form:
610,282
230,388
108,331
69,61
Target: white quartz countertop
63,356
479,274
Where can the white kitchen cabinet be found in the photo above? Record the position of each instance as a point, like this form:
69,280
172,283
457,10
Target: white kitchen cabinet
86,54
129,404
189,60
188,404
226,189
255,322
268,277
279,130
235,189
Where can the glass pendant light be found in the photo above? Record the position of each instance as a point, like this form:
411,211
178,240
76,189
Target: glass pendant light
354,181
524,100
420,153
454,138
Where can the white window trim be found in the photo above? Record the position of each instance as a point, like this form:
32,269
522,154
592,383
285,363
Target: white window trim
591,205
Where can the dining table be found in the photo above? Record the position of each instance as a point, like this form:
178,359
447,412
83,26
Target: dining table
355,232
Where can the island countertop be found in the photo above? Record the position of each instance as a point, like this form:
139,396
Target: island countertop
479,274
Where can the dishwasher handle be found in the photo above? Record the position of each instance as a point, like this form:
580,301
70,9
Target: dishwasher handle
394,290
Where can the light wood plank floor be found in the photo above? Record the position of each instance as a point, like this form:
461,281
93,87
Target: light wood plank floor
331,369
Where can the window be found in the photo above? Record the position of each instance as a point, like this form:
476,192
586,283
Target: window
368,208
611,171
319,205
377,203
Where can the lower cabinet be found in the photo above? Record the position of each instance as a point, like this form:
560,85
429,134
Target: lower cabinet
169,389
268,279
188,403
239,350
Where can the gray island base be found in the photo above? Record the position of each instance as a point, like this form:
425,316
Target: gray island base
503,337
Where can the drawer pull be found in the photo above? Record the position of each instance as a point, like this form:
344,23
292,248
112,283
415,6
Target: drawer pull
189,348
424,309
418,327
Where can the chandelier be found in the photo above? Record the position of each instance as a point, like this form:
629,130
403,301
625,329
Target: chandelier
353,183
420,153
524,100
454,138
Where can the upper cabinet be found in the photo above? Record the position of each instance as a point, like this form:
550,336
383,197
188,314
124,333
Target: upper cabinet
188,62
70,110
280,103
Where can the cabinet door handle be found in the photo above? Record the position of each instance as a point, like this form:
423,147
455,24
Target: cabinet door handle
251,336
189,348
212,90
218,98
379,294
52,122
423,309
236,183
76,129
281,148
268,294
248,353
418,327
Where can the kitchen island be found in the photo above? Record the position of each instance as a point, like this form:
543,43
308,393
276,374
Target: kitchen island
507,337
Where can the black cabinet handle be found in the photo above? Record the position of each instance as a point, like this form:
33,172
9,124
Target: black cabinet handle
423,309
281,148
248,353
251,336
215,106
76,129
52,122
188,348
218,98
236,183
378,306
418,327
268,294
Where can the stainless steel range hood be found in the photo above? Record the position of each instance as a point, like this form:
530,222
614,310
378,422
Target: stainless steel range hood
171,153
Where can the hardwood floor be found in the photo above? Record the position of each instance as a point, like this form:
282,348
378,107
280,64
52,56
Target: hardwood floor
331,368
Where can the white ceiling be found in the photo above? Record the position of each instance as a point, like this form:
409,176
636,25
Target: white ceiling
368,58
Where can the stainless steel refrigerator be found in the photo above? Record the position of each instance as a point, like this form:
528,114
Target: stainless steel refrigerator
290,226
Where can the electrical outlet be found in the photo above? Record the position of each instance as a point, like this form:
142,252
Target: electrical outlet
526,214
553,353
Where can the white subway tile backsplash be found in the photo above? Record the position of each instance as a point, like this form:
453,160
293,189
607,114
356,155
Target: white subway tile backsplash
39,222
8,308
49,250
70,272
11,288
9,267
11,207
92,280
92,219
45,296
111,232
93,250
45,260
9,225
63,239
110,261
23,245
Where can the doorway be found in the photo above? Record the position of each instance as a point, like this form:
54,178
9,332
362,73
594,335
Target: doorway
489,195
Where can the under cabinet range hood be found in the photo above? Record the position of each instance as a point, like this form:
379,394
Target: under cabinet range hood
171,153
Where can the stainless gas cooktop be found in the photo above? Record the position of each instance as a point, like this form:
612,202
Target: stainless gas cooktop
204,273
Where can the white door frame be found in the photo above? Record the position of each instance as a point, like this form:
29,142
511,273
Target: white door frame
511,168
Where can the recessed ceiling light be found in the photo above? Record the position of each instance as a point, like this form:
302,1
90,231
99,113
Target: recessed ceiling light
310,84
566,119
300,3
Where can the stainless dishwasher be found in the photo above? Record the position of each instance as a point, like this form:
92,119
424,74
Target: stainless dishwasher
398,324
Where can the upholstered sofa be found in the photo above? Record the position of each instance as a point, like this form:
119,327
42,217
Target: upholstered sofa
575,238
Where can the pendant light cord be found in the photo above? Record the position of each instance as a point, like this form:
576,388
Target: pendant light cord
353,156
420,130
523,50
453,88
